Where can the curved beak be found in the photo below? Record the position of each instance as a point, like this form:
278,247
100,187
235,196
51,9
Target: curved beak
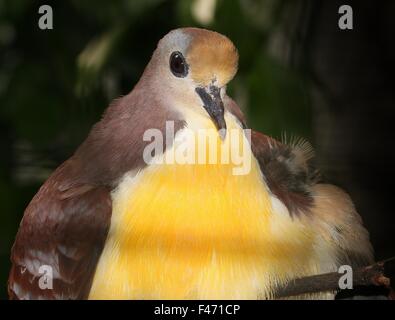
212,102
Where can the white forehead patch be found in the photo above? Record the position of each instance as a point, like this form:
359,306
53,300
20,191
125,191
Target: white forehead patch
175,40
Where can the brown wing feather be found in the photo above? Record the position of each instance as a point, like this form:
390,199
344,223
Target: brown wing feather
65,230
66,223
291,177
234,109
288,170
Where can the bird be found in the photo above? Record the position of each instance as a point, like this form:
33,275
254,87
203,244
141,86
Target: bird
112,222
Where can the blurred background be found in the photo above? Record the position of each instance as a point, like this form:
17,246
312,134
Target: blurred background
299,74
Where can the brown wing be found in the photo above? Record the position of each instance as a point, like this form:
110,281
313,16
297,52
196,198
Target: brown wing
64,231
66,223
234,109
292,178
288,170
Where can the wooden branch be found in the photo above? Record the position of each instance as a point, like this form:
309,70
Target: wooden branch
379,274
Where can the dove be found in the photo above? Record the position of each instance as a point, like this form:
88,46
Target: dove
157,204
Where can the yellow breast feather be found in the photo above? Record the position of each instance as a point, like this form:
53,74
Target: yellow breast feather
197,231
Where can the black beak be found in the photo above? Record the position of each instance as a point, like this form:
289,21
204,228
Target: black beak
214,106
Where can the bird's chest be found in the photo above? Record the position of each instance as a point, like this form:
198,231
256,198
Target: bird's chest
189,231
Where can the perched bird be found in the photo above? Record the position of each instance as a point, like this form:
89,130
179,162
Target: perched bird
114,223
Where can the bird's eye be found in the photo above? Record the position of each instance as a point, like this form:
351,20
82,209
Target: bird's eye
178,66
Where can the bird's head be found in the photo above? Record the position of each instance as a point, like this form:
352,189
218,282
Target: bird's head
191,68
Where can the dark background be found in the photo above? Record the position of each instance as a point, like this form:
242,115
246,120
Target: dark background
299,74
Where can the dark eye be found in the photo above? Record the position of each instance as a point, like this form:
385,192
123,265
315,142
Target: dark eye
178,66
